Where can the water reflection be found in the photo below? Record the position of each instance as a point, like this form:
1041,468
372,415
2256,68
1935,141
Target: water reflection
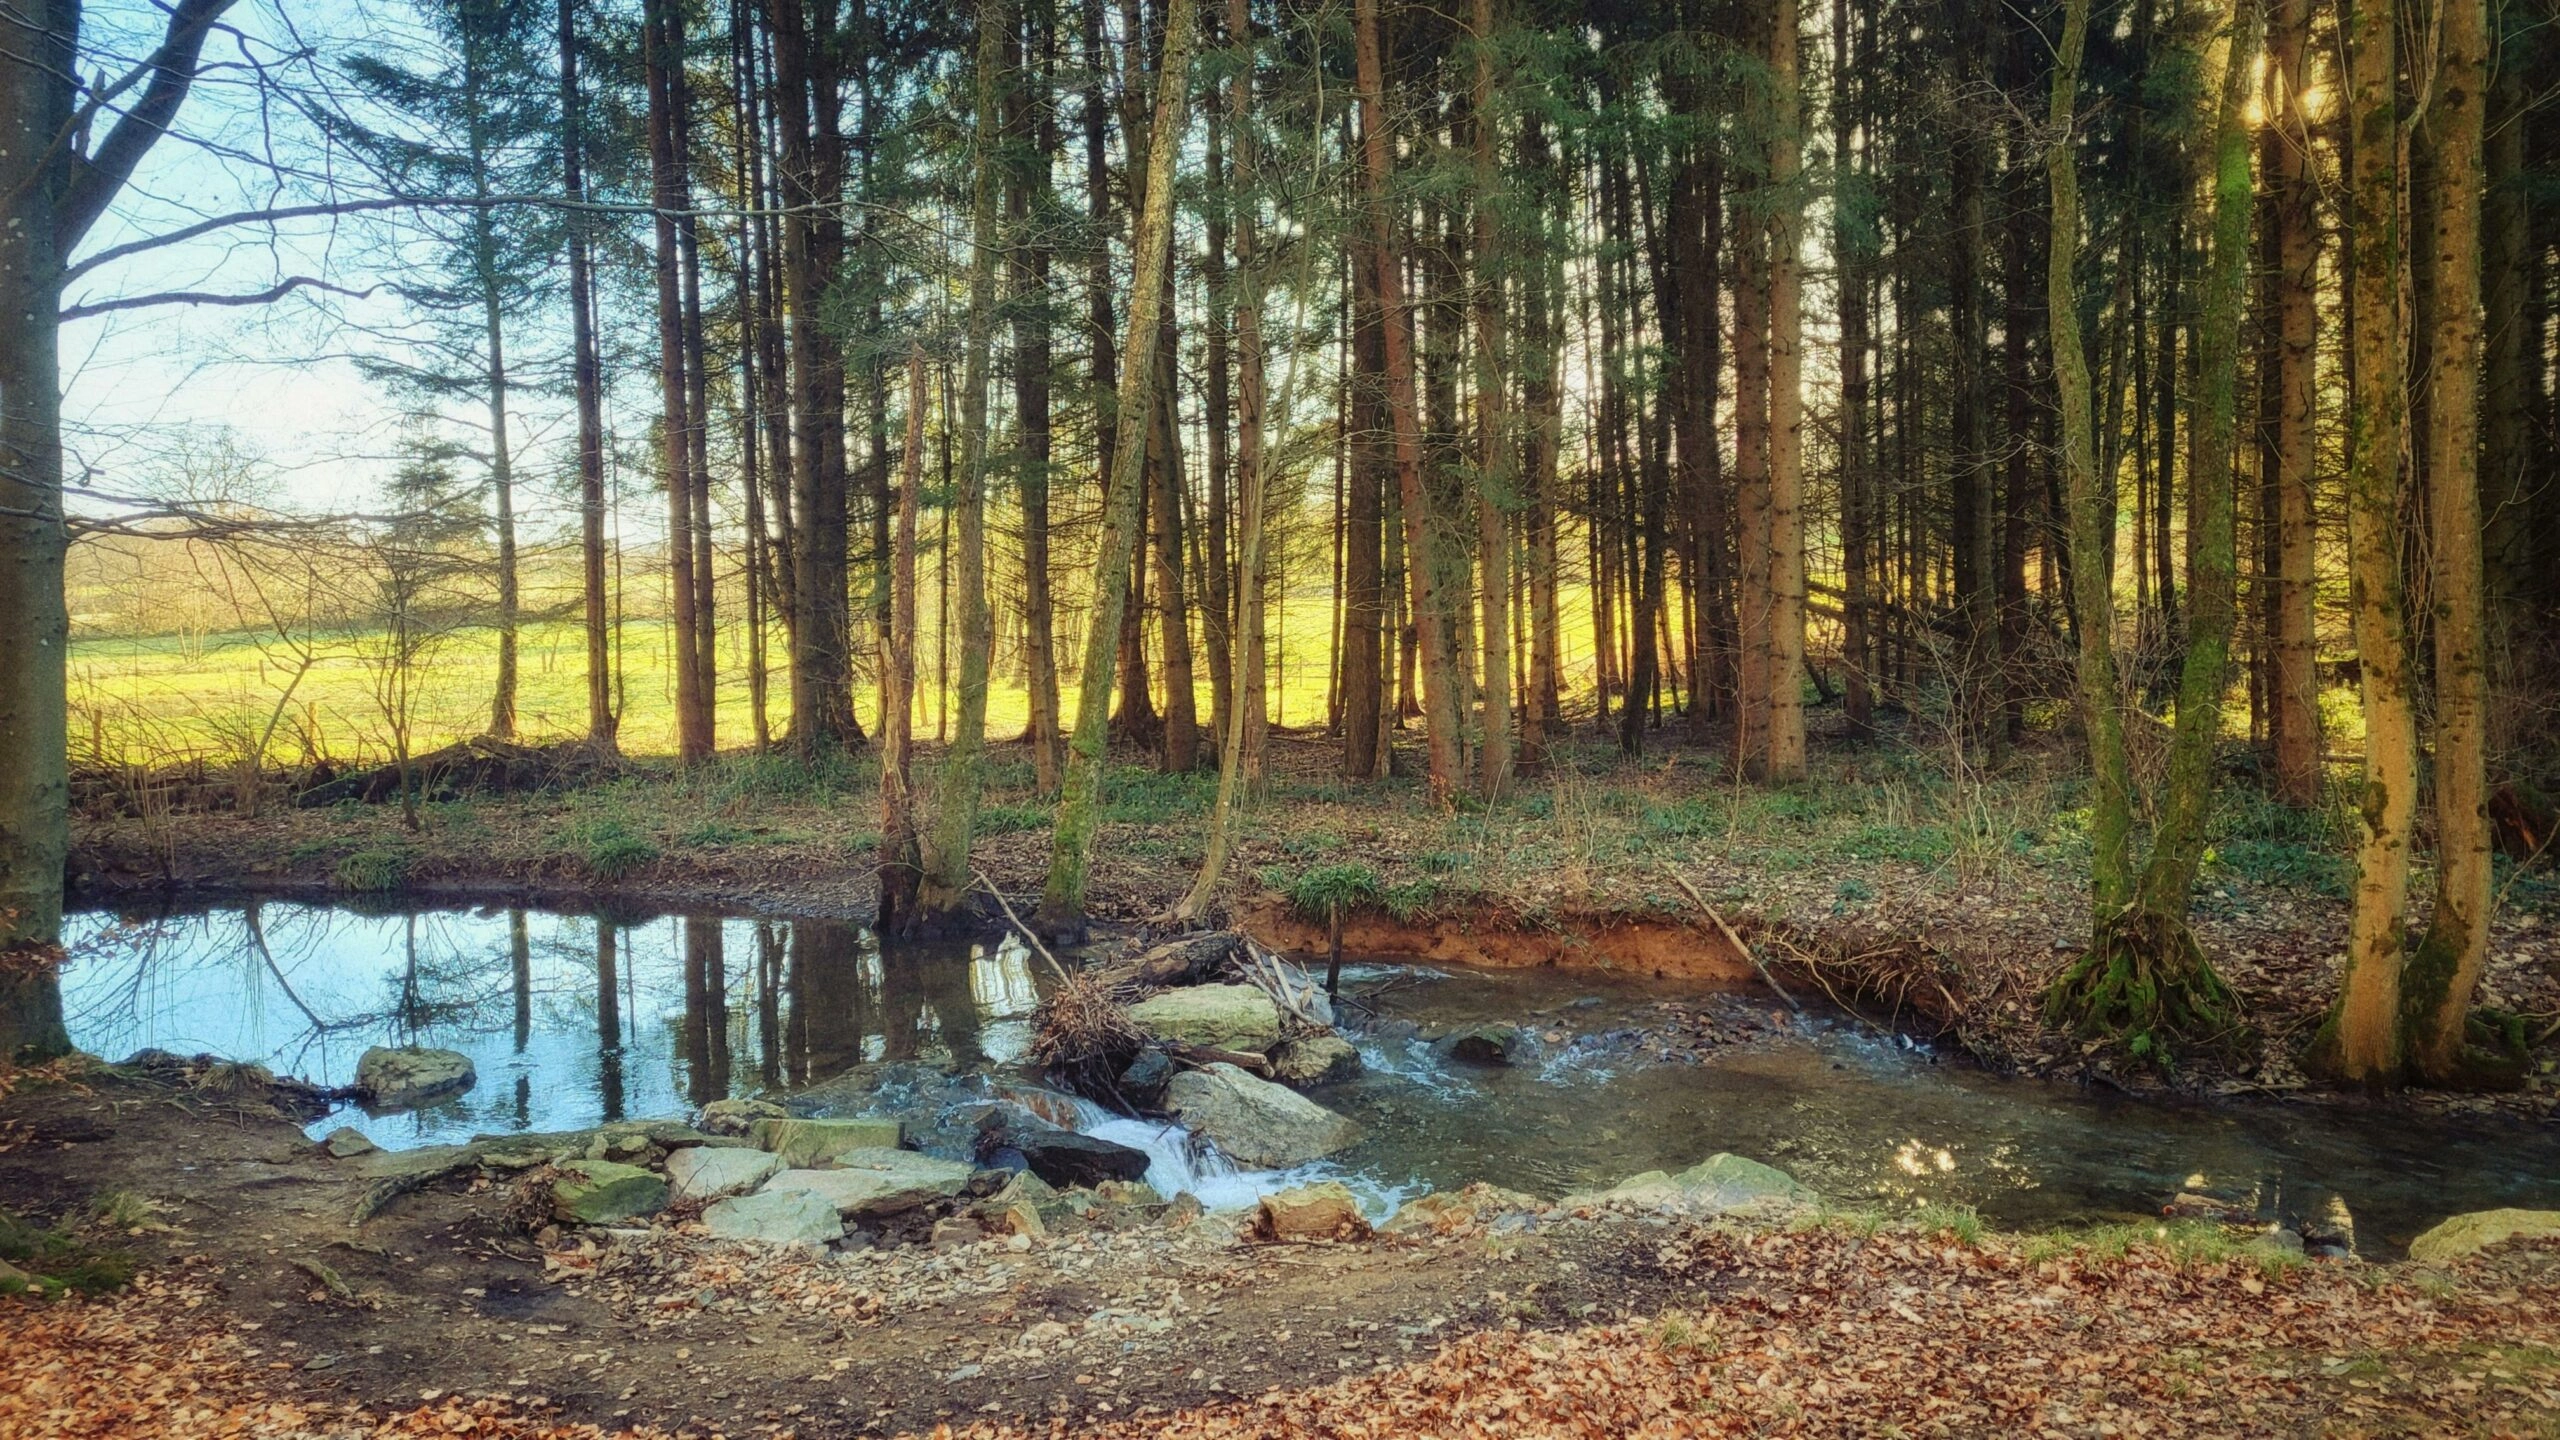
570,1019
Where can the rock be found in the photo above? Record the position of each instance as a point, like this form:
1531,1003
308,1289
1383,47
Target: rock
778,1217
1126,1192
1488,1044
1188,960
1226,1017
871,1183
1314,1060
1061,1157
1714,1185
733,1117
1443,1211
805,1144
1144,1081
1254,1122
599,1192
2470,1234
701,1173
1311,1212
956,1232
347,1142
401,1077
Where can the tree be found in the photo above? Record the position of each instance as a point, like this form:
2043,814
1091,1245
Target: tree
2361,1041
587,383
671,201
1062,911
941,899
54,186
2144,977
900,866
474,120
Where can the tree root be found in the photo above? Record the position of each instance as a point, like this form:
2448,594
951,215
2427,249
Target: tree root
2145,981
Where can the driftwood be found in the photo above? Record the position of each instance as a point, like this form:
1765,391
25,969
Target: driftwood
1197,1055
1736,941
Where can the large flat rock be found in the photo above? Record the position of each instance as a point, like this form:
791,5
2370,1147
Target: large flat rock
1254,1122
869,1184
1715,1185
402,1077
776,1217
1227,1017
704,1172
2470,1234
803,1144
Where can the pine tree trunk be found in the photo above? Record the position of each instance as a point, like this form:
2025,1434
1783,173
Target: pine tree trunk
900,867
1422,545
1785,755
2362,1041
587,382
1543,398
1062,908
662,29
2292,176
941,900
1365,630
2444,972
1495,479
1032,209
1851,248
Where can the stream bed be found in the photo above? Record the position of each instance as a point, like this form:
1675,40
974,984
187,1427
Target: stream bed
575,1019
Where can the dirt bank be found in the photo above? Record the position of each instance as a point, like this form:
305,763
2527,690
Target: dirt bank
1617,943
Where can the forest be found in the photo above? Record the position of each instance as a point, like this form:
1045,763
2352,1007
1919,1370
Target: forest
2018,534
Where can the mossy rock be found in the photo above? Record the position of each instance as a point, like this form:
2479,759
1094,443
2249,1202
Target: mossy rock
600,1192
2470,1234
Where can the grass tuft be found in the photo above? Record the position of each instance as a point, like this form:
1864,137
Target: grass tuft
373,872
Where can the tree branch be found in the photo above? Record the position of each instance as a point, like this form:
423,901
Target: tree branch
96,177
273,292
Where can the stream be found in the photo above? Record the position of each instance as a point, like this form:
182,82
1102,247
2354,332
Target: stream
576,1019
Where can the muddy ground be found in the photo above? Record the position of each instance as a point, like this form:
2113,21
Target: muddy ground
448,1291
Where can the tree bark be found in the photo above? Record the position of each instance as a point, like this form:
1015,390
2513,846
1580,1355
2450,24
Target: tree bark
663,43
1062,908
1785,755
2293,441
941,899
1495,479
900,867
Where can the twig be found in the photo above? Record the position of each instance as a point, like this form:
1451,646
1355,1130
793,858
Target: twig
990,887
1733,939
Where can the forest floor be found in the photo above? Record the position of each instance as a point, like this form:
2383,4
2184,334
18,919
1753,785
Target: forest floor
1913,888
259,1309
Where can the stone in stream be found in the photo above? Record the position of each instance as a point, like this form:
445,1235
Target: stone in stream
1254,1122
1314,1060
805,1144
405,1076
1311,1212
347,1142
778,1217
599,1192
2470,1234
705,1172
1061,1157
1224,1017
1144,1081
873,1183
1717,1184
1443,1211
1487,1044
734,1117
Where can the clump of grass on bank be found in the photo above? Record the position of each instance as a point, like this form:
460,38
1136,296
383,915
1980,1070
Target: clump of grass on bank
2185,1242
373,871
609,846
49,1263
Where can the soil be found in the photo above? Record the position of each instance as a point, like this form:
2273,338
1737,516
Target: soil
445,1291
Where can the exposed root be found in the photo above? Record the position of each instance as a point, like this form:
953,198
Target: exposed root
2145,981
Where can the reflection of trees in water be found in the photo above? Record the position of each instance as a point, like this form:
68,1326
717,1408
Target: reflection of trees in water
608,1018
706,1010
831,1001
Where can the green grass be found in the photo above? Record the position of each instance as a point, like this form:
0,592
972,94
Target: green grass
373,872
609,846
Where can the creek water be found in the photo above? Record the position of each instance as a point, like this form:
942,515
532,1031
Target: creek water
574,1019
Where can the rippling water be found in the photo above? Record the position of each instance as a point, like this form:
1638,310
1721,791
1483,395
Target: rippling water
573,1019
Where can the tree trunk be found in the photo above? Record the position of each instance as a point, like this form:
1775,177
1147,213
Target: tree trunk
1852,247
2362,1039
941,900
1544,400
1062,910
1784,758
586,372
2444,972
1364,595
1032,207
2293,444
1422,545
1495,479
900,866
663,35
